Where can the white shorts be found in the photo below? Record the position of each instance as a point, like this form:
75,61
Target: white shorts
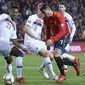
35,45
5,48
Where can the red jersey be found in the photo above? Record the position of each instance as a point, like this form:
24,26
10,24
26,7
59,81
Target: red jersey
56,26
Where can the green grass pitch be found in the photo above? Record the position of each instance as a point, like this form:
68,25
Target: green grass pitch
34,77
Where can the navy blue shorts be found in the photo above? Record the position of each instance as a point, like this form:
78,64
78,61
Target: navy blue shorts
62,42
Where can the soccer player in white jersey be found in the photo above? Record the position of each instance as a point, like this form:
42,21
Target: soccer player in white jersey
33,42
7,32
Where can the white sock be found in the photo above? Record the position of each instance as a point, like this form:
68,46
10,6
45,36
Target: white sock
19,62
9,68
43,65
70,57
48,64
65,66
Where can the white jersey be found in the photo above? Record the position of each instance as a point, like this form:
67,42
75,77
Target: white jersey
36,25
70,23
7,28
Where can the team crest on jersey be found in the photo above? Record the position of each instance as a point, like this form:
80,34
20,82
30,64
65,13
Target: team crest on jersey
57,14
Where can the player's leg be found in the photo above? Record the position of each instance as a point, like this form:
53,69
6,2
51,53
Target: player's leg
70,57
43,71
19,64
75,64
47,63
65,61
59,49
8,64
40,47
42,68
73,59
5,49
59,62
65,66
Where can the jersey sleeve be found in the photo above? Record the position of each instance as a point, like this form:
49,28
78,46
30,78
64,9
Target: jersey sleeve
4,16
72,25
30,21
61,26
58,36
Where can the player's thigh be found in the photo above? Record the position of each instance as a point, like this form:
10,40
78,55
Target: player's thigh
35,46
16,52
59,49
60,45
5,48
57,52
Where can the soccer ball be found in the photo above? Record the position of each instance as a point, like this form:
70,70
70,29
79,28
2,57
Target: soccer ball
8,79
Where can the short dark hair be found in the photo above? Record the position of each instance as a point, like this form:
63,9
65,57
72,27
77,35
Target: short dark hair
43,6
63,3
16,7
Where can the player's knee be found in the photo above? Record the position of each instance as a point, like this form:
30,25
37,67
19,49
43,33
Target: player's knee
44,53
50,54
57,55
9,62
9,59
57,52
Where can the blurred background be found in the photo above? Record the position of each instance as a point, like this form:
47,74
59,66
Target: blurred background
27,7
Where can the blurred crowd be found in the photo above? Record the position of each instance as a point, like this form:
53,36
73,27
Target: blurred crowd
27,7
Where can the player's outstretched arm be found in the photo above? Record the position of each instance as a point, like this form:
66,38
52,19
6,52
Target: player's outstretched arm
27,30
15,42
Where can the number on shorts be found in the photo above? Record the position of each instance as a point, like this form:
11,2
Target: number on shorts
61,41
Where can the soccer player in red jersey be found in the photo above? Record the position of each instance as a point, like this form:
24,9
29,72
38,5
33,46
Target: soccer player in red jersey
57,34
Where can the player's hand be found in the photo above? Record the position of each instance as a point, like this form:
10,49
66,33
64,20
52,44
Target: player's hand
48,47
25,50
49,42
